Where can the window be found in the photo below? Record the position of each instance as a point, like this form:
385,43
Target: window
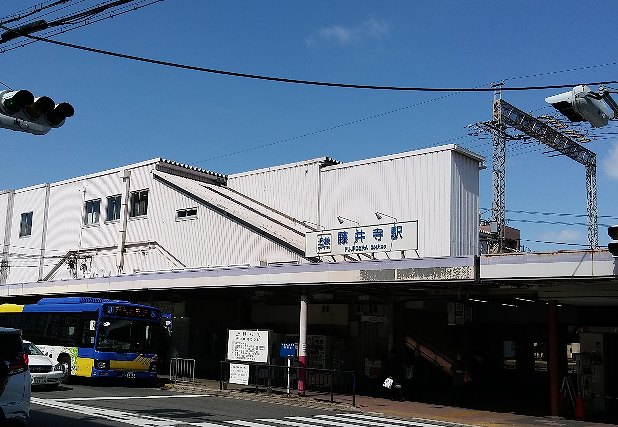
139,203
25,226
113,207
92,212
189,213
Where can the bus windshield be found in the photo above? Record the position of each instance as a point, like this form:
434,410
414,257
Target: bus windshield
127,336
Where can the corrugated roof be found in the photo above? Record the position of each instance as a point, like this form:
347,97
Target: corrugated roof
193,168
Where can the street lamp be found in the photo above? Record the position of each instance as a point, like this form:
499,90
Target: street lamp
379,215
342,218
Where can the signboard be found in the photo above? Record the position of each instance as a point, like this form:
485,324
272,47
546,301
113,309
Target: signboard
288,349
400,236
247,345
239,374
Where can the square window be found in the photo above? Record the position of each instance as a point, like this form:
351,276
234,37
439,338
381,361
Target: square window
92,211
113,207
188,213
25,225
139,203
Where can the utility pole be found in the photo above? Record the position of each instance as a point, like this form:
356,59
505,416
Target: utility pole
560,139
498,172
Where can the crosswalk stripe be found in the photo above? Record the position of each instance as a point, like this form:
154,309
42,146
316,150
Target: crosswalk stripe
357,421
320,422
395,421
204,424
247,423
286,423
108,414
156,396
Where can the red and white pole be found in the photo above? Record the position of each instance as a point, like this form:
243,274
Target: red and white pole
302,345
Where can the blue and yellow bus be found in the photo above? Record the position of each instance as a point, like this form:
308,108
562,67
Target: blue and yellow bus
91,337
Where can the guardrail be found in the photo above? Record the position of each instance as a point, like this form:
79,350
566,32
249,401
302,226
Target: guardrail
182,370
284,378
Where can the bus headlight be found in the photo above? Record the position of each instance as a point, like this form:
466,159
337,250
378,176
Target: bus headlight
101,364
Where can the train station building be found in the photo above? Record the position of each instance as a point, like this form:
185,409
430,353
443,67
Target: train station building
365,264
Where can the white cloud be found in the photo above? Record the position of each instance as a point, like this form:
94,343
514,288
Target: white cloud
337,33
610,163
565,236
370,29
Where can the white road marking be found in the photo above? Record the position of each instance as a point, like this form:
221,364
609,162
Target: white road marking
248,423
108,414
286,423
398,422
141,420
175,396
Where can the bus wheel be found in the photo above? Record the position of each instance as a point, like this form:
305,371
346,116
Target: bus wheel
65,361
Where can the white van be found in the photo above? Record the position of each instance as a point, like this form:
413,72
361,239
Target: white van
14,377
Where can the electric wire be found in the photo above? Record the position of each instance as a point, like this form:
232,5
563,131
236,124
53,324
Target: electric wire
296,81
88,21
555,243
17,16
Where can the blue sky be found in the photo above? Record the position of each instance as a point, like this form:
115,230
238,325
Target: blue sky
128,111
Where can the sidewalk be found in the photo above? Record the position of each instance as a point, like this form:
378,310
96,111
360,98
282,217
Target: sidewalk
366,404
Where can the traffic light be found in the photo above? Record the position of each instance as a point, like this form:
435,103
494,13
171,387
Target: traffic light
581,104
613,243
21,111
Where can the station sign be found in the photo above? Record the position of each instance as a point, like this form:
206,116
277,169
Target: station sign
399,236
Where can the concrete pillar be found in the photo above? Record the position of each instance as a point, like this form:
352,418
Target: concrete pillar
302,345
553,359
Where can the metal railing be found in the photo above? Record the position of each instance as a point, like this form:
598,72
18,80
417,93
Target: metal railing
182,370
282,379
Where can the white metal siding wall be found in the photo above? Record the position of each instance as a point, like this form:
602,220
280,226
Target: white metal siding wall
291,190
25,252
211,239
465,206
4,206
66,230
414,187
143,228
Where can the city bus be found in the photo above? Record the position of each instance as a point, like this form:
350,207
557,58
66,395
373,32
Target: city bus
91,337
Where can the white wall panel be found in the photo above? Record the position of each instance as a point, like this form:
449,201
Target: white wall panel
211,239
409,186
25,252
291,189
465,206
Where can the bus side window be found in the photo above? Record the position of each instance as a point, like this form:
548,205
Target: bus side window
88,331
35,327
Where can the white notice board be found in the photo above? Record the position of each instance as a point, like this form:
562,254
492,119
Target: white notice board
239,374
247,345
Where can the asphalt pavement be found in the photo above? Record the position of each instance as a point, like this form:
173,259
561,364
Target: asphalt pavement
377,405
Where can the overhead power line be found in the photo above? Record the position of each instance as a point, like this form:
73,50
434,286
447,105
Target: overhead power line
296,81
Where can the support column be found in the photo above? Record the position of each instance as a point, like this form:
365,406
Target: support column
554,369
302,345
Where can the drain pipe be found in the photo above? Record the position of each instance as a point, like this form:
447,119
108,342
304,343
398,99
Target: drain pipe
124,215
4,265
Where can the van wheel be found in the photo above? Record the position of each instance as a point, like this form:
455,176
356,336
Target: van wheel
65,361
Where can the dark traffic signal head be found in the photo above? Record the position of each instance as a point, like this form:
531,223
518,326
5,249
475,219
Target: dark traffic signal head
14,101
613,243
20,111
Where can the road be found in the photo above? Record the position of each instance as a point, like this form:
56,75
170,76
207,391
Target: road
90,406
